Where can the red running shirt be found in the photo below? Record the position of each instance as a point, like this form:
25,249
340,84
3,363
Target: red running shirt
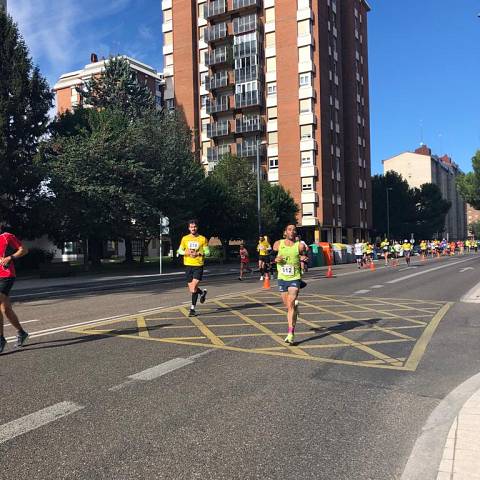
8,240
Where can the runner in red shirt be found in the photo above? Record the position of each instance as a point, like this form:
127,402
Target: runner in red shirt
7,279
244,261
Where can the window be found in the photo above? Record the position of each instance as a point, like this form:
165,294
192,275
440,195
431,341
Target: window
305,54
201,11
307,185
272,88
272,113
304,27
203,76
168,60
168,38
307,158
269,15
306,131
271,64
270,39
308,210
203,100
273,138
305,79
170,103
167,15
306,105
205,147
273,162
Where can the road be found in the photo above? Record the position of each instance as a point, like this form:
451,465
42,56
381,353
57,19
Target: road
119,384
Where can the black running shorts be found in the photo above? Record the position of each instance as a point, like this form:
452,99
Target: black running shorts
6,284
193,273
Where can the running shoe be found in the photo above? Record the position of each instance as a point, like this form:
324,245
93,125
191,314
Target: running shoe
240,278
289,339
3,342
203,296
192,313
21,339
261,278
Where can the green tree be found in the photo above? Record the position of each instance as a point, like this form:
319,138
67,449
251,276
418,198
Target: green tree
25,100
118,88
278,209
402,207
432,210
469,183
475,229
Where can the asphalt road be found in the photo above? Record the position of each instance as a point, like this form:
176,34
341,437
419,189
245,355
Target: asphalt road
119,384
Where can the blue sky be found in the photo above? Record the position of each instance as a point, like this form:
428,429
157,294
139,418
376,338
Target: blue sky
424,61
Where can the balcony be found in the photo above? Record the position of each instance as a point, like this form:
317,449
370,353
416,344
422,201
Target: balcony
248,74
219,56
249,124
215,7
248,99
245,24
240,4
221,104
246,49
218,80
218,129
249,149
214,154
216,32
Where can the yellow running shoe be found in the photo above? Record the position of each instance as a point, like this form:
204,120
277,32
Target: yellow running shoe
289,339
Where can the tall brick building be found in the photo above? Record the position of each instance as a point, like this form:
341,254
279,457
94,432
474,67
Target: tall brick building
292,74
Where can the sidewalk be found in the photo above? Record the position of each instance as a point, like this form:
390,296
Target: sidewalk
461,455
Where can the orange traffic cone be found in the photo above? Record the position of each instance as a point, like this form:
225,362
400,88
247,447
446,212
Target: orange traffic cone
372,266
266,282
329,272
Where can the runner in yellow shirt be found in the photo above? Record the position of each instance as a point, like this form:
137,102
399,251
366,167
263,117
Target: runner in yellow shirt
407,250
194,248
263,248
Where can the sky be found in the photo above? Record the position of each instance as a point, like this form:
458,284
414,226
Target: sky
424,62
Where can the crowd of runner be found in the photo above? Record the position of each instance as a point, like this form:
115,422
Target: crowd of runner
287,258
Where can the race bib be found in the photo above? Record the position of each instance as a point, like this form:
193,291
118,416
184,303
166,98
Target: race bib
287,270
193,245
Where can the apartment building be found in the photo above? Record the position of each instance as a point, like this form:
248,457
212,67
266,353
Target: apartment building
68,86
286,80
3,5
420,167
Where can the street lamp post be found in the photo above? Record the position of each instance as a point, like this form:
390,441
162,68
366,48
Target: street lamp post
258,145
388,212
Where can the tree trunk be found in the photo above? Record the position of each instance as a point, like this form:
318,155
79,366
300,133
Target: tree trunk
128,251
145,243
95,251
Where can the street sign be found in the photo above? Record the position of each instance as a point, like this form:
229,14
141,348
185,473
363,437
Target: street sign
165,222
165,230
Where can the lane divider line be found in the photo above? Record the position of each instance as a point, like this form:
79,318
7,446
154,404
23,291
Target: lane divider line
26,424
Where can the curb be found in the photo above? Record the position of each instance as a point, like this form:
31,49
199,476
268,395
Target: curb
426,457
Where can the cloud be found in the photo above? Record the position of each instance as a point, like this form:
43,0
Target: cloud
57,31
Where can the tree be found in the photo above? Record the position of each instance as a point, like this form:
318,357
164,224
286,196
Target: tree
469,183
474,228
278,209
111,176
118,88
25,100
432,210
402,207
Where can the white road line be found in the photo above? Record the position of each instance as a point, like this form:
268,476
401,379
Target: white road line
53,330
472,296
465,269
376,286
23,322
360,292
162,369
407,277
36,420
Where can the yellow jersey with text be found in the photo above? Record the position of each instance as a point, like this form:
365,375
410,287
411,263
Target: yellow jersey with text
263,248
199,244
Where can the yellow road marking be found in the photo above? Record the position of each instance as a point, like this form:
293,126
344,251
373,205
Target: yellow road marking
422,343
142,327
203,328
250,350
264,329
